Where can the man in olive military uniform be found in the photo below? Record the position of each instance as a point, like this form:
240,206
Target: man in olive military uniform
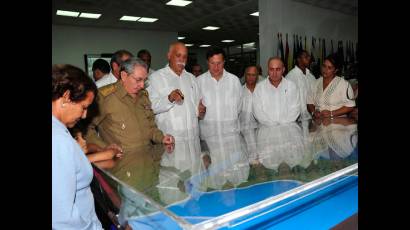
124,114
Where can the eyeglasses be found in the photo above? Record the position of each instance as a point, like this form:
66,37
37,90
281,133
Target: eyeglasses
138,80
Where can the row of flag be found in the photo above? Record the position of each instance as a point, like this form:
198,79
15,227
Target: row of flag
346,54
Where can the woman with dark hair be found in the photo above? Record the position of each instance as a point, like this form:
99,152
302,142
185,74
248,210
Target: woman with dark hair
332,96
72,201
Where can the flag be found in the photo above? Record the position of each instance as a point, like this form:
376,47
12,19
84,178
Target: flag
353,53
357,54
287,55
297,44
312,50
346,54
319,53
300,43
294,51
324,49
331,47
340,53
282,56
278,48
305,44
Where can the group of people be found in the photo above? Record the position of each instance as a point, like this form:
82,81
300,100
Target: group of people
133,105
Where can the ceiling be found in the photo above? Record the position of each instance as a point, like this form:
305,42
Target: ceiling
232,16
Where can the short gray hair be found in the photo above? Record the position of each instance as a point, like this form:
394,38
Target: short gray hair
276,58
129,65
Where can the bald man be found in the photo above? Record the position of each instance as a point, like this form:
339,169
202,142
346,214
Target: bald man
174,94
278,98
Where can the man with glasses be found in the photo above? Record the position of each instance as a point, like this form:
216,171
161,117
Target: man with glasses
116,59
125,116
221,96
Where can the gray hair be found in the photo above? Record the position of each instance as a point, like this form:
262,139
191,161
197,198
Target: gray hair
276,58
129,65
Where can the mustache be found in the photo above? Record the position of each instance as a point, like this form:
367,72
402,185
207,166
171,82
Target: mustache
181,63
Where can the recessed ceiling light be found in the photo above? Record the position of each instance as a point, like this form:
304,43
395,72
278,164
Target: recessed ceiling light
189,45
210,28
251,44
178,3
129,18
89,15
180,38
227,40
67,13
204,45
147,19
255,14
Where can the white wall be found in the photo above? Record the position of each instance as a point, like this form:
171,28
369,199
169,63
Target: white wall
70,43
291,17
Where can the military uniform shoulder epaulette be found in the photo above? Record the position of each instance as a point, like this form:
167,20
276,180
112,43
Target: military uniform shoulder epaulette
107,90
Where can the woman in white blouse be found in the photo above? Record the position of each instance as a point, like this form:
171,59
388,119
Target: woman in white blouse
332,96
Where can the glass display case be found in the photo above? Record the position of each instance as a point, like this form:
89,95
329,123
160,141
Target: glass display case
284,177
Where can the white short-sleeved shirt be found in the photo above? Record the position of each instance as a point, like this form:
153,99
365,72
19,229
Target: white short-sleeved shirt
246,118
179,120
305,84
106,80
276,105
335,96
222,100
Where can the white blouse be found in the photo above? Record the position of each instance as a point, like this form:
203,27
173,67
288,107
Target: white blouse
337,94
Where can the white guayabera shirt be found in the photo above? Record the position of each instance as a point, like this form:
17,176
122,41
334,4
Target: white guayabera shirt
106,80
246,118
178,119
223,103
276,105
305,84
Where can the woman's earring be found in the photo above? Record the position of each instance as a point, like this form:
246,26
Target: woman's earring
62,105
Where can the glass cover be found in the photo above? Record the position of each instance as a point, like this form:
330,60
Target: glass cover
227,174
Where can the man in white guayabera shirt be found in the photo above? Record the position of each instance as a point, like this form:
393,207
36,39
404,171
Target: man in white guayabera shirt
174,94
277,98
304,80
246,118
221,96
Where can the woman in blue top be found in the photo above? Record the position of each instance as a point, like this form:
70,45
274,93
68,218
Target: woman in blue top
72,201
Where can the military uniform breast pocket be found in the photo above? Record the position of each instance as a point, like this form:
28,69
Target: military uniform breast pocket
147,110
120,121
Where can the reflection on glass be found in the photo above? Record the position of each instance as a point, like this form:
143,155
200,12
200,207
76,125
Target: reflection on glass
199,180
